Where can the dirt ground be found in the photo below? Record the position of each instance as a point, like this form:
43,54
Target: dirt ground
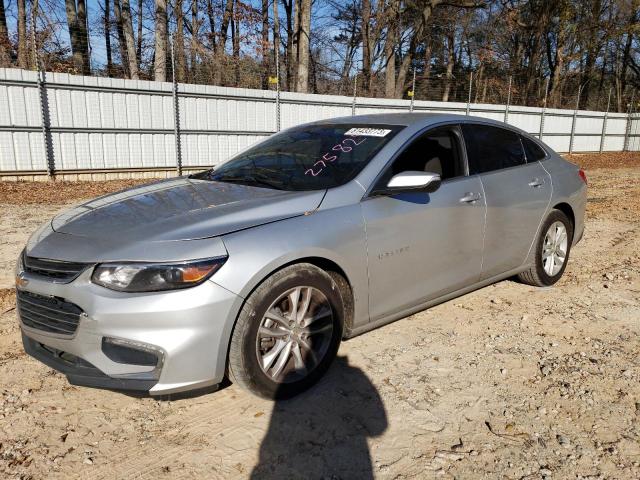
510,381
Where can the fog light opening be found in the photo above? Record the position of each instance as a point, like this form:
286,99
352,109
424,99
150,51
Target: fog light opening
131,353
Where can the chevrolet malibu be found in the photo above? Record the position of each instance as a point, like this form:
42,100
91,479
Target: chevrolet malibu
256,270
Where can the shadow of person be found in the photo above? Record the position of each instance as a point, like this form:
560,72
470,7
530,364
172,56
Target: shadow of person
323,432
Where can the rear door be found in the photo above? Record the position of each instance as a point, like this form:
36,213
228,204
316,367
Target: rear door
517,194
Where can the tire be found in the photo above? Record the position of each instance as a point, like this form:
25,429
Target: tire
540,274
266,310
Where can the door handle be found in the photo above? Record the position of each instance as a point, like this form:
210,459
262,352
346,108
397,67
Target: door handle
470,197
536,182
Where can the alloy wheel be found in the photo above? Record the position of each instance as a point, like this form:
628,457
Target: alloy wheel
294,334
554,248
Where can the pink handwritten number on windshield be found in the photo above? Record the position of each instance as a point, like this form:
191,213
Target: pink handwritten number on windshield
343,146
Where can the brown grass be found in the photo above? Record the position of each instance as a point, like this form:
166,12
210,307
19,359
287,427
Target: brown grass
591,161
54,192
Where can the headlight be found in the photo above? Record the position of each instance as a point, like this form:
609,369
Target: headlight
153,277
20,263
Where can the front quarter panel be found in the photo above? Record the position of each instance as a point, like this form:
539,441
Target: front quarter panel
335,234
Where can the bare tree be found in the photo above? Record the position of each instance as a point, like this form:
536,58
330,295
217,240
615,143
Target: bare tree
276,33
22,35
303,16
265,44
178,40
106,12
161,42
291,55
366,45
122,42
235,42
77,22
5,44
390,45
127,28
139,38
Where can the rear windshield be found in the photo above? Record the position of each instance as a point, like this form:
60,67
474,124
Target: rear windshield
305,158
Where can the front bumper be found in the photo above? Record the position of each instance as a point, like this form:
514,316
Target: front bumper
187,330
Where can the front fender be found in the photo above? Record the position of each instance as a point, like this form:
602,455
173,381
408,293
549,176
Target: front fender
337,235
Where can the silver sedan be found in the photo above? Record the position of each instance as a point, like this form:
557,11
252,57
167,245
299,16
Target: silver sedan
257,269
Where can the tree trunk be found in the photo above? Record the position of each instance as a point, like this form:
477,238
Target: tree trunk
5,45
84,37
74,34
195,36
178,41
235,41
276,36
366,46
139,39
450,65
390,50
212,27
23,57
265,45
107,37
161,42
122,42
627,50
222,42
304,29
290,56
558,67
127,29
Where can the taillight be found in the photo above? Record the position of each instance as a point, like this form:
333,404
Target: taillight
583,176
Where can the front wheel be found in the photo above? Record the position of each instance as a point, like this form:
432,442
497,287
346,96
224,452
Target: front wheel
552,251
287,333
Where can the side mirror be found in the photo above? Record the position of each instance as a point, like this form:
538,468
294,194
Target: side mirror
414,182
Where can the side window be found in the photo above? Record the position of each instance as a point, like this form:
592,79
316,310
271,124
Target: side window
491,148
436,151
532,150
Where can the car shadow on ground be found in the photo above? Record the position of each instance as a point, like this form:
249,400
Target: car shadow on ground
323,432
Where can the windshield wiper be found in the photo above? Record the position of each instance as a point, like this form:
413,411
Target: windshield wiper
246,179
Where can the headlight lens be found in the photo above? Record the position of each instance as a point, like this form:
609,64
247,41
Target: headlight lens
153,277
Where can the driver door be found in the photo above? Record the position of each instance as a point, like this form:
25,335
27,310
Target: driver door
424,245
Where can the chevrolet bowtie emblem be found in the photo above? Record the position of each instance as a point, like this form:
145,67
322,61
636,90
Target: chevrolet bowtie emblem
21,282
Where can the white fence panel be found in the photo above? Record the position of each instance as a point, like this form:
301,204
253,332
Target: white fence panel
104,123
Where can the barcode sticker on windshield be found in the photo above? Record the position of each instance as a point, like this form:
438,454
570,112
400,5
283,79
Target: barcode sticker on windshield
367,132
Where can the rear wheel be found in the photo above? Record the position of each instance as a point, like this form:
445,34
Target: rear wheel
287,333
552,251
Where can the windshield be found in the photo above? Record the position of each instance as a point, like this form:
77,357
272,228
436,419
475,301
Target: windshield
305,158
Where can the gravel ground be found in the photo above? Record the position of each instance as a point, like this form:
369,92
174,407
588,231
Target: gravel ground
510,381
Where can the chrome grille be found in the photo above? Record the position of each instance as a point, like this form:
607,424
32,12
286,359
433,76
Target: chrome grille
49,314
53,269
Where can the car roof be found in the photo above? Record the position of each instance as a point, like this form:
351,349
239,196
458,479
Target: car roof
409,118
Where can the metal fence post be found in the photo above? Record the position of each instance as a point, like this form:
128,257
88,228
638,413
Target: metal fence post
176,111
627,130
45,118
355,91
573,121
544,109
506,110
413,89
469,97
277,47
604,123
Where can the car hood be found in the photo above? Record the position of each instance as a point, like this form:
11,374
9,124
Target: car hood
182,209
